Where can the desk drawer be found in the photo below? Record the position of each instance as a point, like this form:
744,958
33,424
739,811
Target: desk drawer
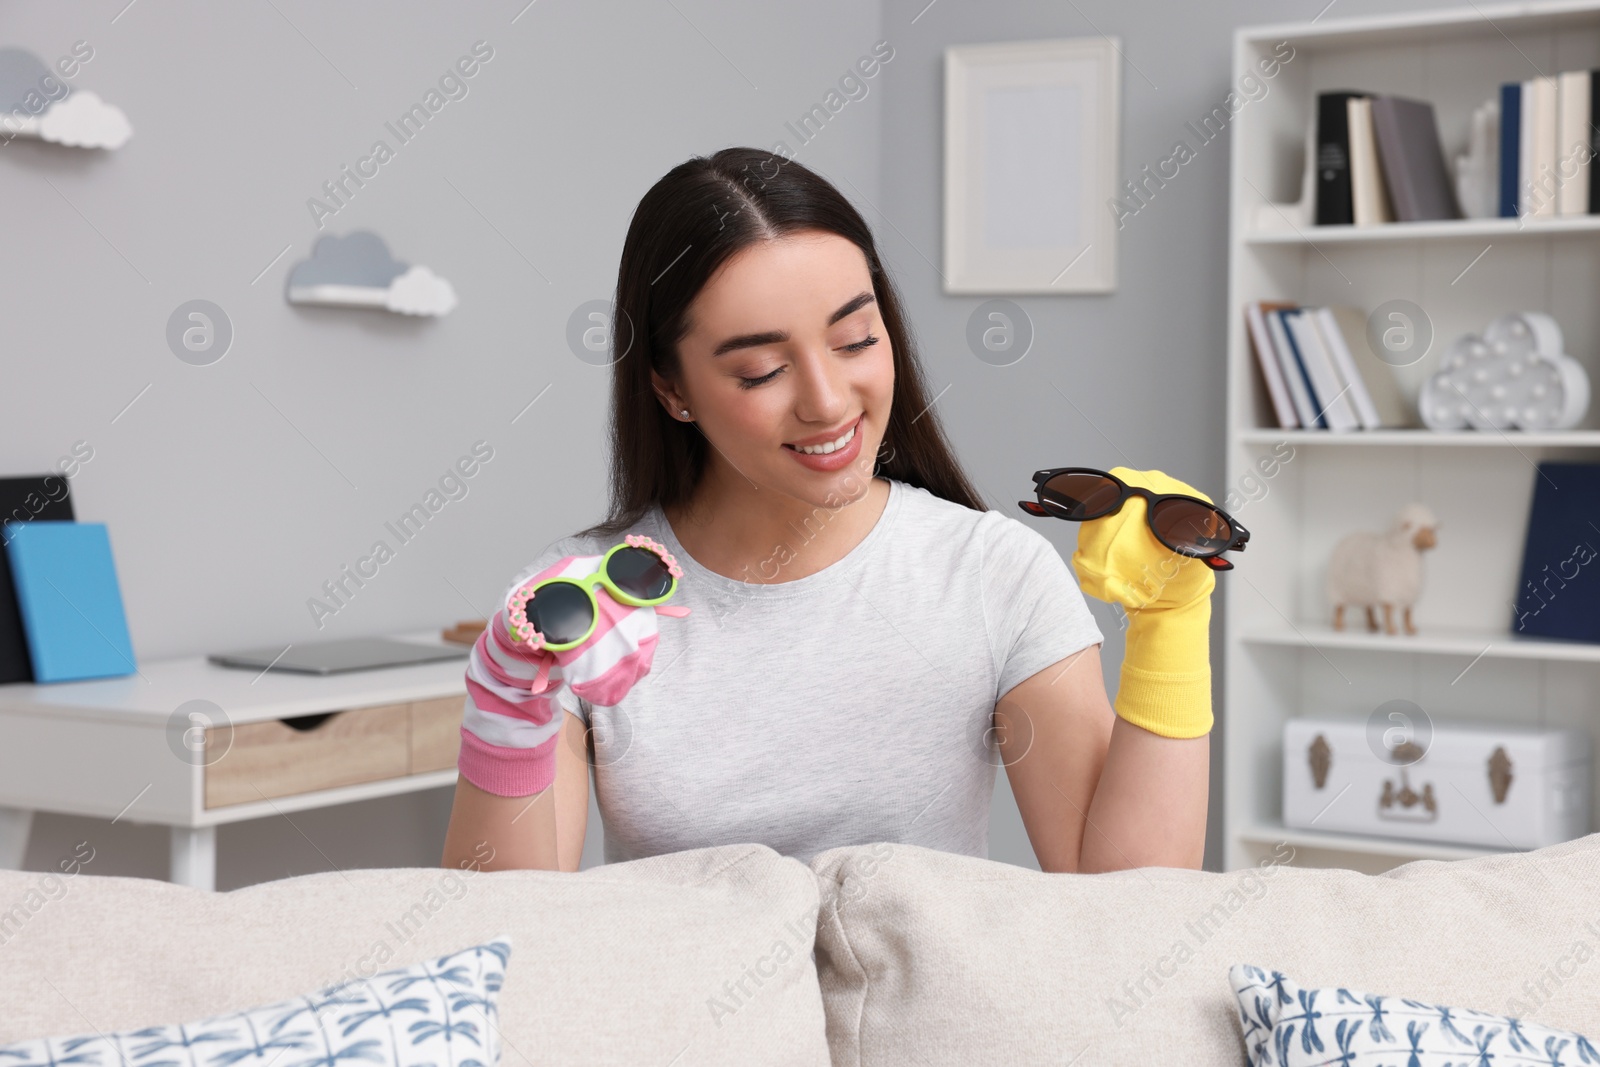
277,759
436,733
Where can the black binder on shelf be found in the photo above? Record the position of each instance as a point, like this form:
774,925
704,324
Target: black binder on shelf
41,496
1334,204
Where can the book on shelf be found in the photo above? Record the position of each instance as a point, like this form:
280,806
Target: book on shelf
1305,404
1542,147
1420,186
1378,396
1510,139
1319,370
1333,396
1546,143
1334,205
1369,198
1345,365
1560,573
1589,173
1267,359
1572,141
1380,158
1527,136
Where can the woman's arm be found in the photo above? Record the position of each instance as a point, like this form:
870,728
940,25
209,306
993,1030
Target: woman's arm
544,831
1096,792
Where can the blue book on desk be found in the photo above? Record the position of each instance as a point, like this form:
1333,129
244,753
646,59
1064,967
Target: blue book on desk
1559,594
71,606
23,500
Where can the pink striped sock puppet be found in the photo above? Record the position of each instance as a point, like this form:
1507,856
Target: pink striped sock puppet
512,716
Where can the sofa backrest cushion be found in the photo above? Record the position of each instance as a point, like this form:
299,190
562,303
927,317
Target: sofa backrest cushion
935,958
704,954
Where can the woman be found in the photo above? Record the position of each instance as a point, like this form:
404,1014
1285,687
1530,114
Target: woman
864,636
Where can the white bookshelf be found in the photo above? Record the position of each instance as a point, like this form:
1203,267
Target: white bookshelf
1281,656
1452,229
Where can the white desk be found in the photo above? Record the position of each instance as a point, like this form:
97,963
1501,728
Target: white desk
114,748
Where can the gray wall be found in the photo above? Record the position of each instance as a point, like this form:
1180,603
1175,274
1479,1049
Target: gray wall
1142,366
233,491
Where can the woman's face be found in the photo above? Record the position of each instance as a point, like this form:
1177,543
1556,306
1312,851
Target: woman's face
786,347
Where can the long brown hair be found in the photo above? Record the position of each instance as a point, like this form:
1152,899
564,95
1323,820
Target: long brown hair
694,219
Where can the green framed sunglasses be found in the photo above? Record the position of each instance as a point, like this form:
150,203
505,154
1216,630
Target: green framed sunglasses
560,613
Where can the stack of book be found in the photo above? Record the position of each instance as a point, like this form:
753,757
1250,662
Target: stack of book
1380,159
1319,370
61,616
1546,143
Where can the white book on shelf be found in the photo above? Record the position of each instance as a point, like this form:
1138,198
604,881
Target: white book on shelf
1344,362
1368,195
1525,156
1271,369
1304,407
1377,376
1332,393
1543,149
1572,146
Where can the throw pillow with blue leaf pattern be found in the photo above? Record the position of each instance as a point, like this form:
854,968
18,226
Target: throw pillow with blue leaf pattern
1286,1025
439,1013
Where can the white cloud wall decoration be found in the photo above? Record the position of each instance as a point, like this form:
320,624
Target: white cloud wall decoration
357,270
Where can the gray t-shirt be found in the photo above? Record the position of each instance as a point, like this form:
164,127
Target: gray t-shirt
849,706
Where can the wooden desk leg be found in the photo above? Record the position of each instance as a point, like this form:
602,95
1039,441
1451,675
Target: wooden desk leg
14,826
194,856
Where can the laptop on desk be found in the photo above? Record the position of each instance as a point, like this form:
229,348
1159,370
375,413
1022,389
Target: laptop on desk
337,657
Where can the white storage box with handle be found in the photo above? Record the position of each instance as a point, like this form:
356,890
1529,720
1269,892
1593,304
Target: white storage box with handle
1481,784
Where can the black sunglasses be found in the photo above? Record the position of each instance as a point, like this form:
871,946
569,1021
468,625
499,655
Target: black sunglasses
1186,524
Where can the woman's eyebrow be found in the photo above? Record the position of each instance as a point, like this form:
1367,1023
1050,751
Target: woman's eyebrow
772,337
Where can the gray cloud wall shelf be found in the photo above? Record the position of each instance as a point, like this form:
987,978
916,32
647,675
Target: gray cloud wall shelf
358,270
37,103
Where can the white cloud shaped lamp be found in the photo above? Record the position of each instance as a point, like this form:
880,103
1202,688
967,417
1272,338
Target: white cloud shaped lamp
1515,376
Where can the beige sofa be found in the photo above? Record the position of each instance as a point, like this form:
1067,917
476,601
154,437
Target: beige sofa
706,957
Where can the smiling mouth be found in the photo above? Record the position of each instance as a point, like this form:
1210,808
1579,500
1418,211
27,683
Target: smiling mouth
830,446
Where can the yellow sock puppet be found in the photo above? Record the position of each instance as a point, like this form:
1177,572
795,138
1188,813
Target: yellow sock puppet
1166,668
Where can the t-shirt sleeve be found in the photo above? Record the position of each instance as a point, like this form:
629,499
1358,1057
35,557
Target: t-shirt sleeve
1035,611
509,733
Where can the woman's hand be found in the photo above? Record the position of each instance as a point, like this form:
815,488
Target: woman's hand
513,710
1119,560
1166,666
620,651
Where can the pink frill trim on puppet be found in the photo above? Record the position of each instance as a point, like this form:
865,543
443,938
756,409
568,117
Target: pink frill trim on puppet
523,635
504,644
642,541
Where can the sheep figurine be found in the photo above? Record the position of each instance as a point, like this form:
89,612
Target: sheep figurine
1368,569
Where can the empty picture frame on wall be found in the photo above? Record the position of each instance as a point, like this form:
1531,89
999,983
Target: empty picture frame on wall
1031,143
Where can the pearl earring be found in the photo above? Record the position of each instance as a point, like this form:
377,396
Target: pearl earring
684,412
